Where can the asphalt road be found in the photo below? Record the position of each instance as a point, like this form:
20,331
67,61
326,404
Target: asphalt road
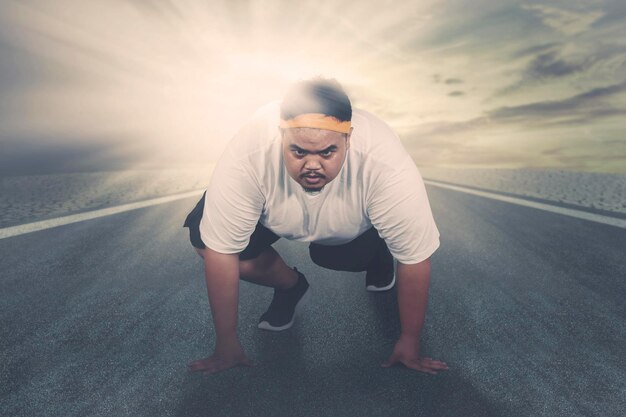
527,307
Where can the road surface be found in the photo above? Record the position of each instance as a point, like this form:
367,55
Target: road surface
100,318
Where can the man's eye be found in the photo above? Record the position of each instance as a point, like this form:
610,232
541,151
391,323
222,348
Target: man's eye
326,153
299,152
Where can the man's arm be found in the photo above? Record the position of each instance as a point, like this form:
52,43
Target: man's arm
412,282
222,280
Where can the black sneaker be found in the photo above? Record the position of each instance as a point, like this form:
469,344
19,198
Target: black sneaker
284,306
376,280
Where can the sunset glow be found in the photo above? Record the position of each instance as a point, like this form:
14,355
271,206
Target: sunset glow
491,84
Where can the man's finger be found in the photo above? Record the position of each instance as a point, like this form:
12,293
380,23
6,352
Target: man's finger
416,365
213,369
436,365
197,365
211,365
204,365
390,362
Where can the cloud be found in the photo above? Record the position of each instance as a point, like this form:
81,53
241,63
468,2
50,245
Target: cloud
587,61
551,65
171,69
580,109
567,22
535,49
447,129
579,104
603,91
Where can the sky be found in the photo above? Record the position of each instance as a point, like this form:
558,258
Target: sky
484,84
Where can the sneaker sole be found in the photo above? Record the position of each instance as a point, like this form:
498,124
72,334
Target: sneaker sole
374,288
265,325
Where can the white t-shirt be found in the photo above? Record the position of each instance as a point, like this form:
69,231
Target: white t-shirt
378,185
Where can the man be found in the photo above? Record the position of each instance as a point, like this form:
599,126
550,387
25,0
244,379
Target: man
310,169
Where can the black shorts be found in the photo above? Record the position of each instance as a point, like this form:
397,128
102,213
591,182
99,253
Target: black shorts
358,255
261,238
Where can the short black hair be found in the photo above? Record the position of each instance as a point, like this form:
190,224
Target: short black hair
317,95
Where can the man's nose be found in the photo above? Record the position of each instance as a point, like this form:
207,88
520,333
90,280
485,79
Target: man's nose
312,163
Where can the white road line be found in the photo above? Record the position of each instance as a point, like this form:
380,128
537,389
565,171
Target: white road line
60,221
613,221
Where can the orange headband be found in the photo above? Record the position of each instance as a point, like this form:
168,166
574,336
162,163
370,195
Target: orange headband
316,121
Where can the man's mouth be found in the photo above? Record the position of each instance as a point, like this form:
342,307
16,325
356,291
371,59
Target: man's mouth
312,179
312,176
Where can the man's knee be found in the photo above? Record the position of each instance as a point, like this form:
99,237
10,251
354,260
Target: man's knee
247,268
258,265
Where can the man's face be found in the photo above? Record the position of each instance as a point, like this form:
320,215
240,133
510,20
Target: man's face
314,157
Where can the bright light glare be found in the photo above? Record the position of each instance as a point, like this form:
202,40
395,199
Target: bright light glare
180,78
463,84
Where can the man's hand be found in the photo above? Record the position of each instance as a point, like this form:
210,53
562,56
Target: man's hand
226,355
221,273
406,352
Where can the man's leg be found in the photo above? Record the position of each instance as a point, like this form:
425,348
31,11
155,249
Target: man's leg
268,269
259,263
368,252
291,289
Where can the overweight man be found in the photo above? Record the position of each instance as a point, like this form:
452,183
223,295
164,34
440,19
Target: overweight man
313,169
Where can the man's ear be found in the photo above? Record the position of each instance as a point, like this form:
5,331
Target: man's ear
348,136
